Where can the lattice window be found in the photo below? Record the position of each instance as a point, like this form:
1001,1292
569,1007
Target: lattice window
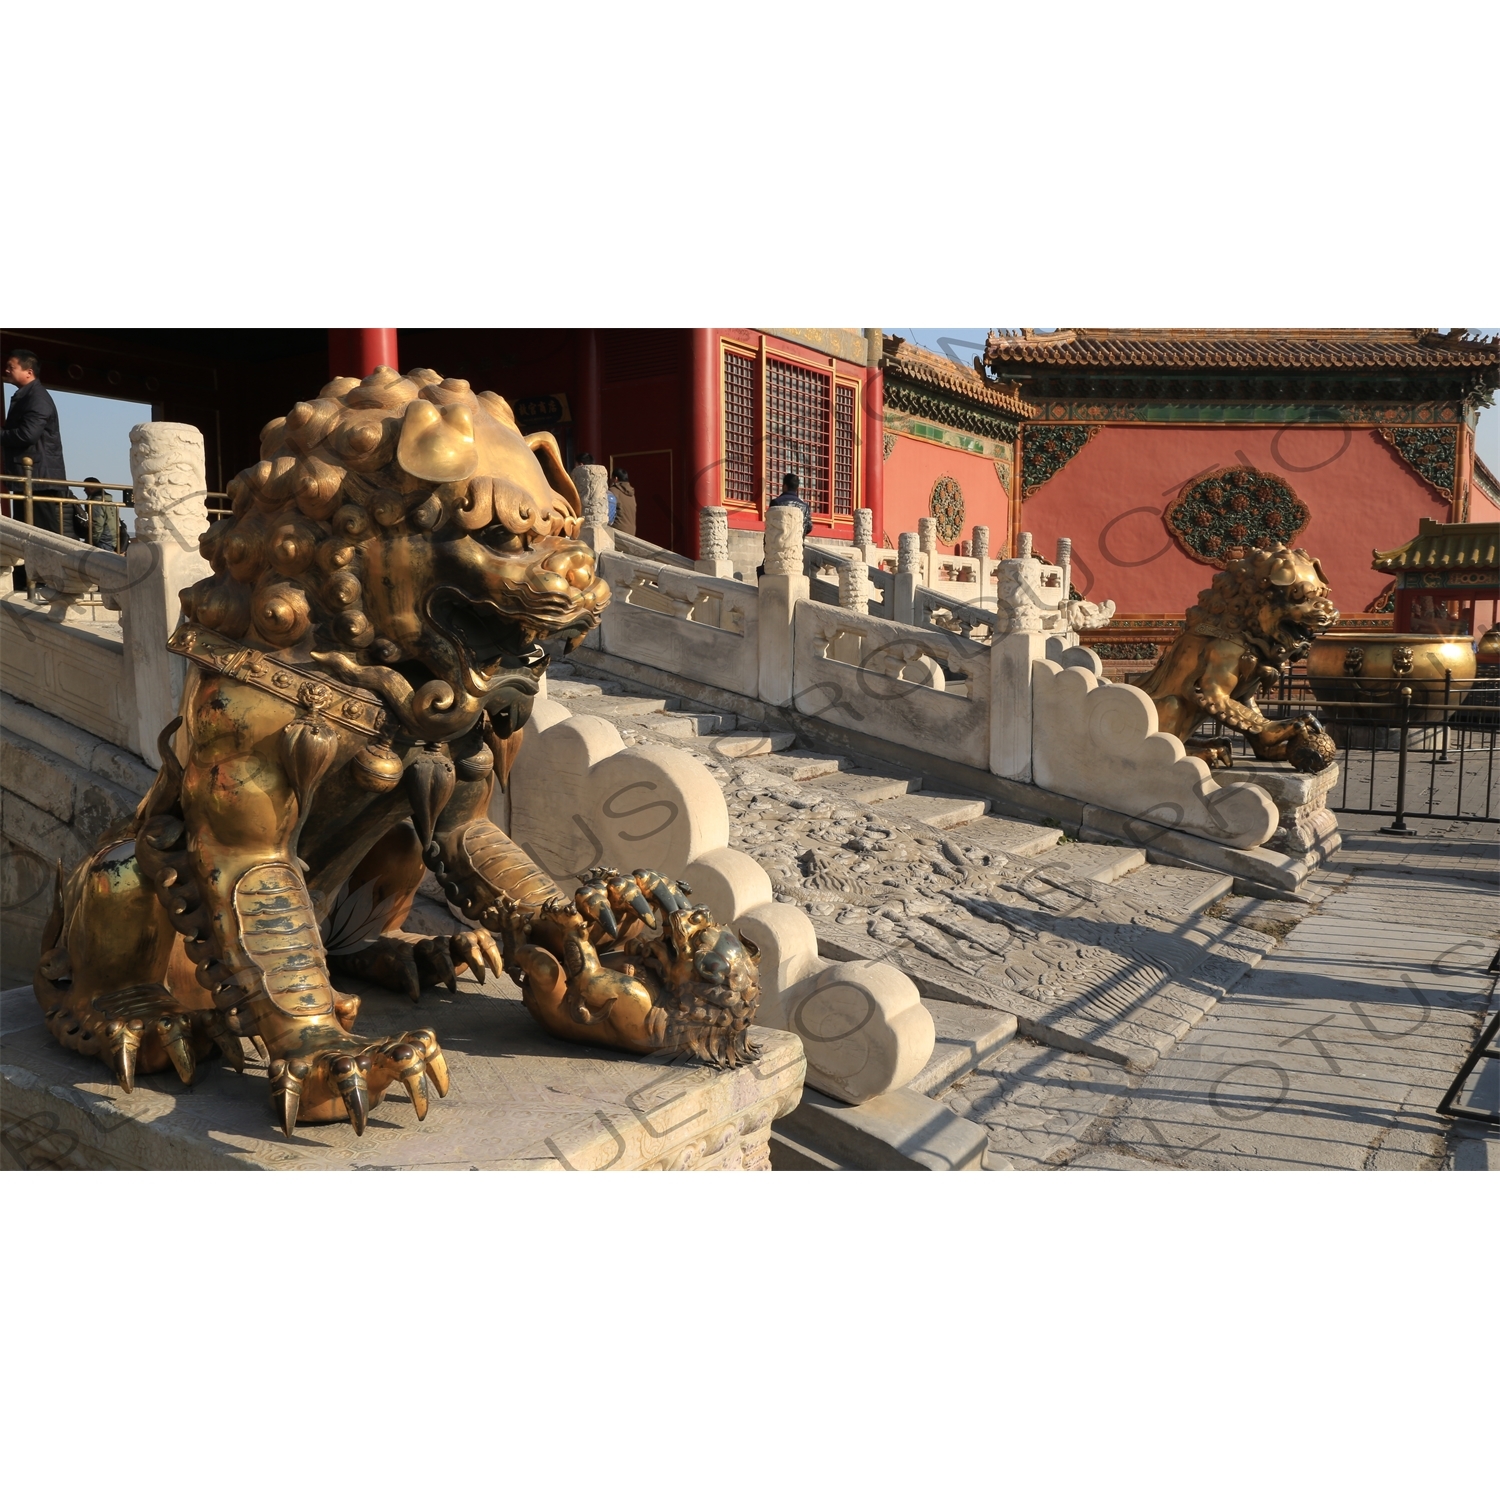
843,451
739,428
797,431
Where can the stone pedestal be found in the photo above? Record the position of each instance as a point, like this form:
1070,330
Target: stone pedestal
520,1101
1305,828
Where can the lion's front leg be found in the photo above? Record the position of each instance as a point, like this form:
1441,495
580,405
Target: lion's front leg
225,865
1226,690
481,865
629,962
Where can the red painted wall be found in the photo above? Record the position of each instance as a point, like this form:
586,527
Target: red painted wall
1111,497
915,466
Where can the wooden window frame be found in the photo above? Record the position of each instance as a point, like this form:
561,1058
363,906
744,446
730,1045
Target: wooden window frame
762,352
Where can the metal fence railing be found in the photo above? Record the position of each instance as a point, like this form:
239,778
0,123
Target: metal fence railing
1413,749
96,517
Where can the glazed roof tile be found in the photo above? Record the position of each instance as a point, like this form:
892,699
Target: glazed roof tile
922,367
1438,544
1245,348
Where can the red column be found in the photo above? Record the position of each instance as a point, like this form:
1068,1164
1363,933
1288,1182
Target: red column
703,454
361,351
874,475
590,410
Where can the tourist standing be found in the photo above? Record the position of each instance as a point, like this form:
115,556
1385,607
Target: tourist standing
96,524
622,492
32,431
789,496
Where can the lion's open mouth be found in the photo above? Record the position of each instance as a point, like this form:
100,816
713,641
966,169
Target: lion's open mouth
490,640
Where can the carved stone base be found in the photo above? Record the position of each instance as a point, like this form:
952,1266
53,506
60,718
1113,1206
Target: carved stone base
519,1101
1306,828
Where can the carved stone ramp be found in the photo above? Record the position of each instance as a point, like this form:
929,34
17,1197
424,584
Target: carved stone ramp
993,913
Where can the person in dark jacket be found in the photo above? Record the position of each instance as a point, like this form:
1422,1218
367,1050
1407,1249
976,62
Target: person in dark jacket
32,431
789,496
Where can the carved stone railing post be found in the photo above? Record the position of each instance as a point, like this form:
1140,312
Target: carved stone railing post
592,483
1011,663
864,533
170,497
1065,563
980,550
854,585
713,541
782,585
927,532
908,577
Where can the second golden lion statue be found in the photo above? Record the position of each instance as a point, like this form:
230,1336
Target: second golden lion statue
1259,614
362,663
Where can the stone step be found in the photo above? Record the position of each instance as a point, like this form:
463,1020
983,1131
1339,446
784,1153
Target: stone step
966,1038
802,765
1181,892
788,1155
739,746
901,1131
621,706
935,810
1101,862
692,726
867,786
1008,836
577,688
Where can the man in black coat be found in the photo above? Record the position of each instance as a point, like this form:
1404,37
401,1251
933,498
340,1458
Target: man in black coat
789,496
31,431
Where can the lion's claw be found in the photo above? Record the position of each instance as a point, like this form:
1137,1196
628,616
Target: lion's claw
345,1081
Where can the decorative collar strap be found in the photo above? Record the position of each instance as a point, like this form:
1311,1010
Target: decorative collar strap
350,708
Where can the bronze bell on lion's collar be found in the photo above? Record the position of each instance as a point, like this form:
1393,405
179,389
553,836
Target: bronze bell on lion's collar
377,768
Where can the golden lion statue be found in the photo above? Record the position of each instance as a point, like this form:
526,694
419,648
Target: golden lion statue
1259,614
362,663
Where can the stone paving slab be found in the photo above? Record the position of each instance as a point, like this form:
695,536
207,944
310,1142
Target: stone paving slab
519,1100
1333,1054
1040,1107
1404,897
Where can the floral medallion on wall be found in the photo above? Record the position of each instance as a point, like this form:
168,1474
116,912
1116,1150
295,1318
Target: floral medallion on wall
1222,515
1431,451
1045,449
947,506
